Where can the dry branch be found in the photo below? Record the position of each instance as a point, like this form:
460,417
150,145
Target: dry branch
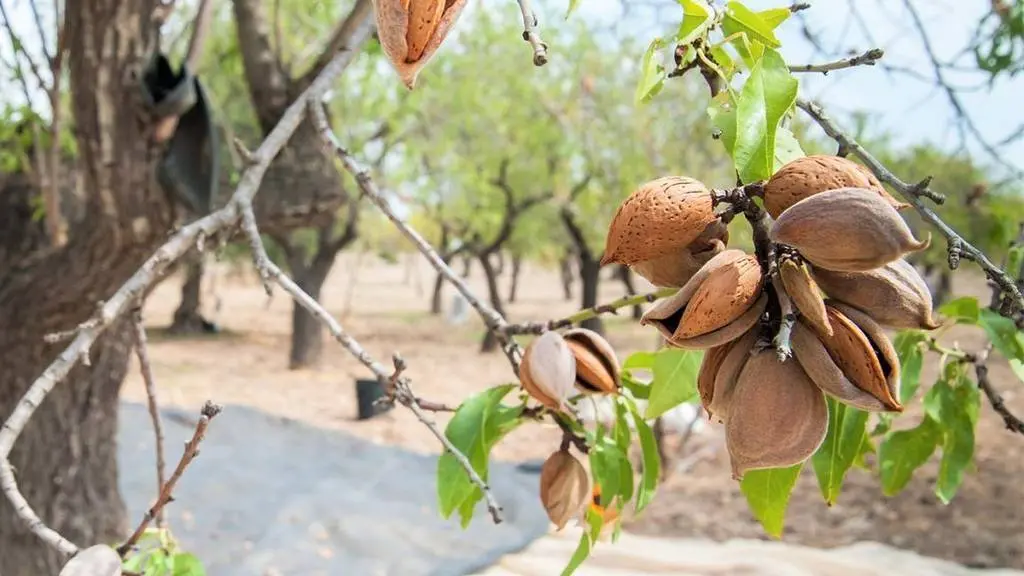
141,350
539,327
866,59
530,34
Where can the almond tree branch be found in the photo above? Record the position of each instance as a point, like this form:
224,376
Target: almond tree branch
141,350
208,412
120,302
866,59
914,194
1013,423
587,313
530,34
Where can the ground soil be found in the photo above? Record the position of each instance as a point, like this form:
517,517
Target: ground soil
385,306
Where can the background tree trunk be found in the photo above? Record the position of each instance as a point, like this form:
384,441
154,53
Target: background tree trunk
187,318
435,296
307,332
517,265
490,343
565,268
590,280
66,458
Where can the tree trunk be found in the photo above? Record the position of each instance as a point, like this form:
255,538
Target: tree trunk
307,332
590,279
187,318
435,296
565,268
517,264
499,265
490,343
66,457
467,265
626,275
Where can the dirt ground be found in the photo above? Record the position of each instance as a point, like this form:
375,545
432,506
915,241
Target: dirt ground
385,306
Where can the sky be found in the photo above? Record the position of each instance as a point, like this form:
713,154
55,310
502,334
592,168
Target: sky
912,110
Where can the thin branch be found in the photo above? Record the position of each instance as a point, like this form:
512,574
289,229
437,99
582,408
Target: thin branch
129,293
587,313
208,412
1013,423
866,59
530,34
40,30
787,319
913,193
141,350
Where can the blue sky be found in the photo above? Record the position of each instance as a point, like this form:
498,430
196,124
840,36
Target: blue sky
911,109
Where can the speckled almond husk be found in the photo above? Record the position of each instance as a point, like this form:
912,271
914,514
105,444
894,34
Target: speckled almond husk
718,372
823,371
777,416
726,293
597,367
810,175
804,293
846,230
727,333
660,217
564,487
866,360
895,295
411,31
676,268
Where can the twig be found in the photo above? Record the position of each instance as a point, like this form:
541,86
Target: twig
866,59
913,193
588,313
530,34
208,412
260,258
1013,423
129,292
142,353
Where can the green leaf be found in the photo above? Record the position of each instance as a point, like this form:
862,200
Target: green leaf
675,380
1015,262
751,23
766,97
651,460
964,310
724,60
767,492
639,360
787,147
652,73
1018,367
847,432
478,424
908,348
774,16
587,538
573,5
696,19
749,52
722,113
904,451
954,402
637,389
611,470
188,564
1003,333
621,432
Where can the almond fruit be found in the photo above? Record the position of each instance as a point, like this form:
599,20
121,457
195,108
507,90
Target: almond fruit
597,368
809,175
777,416
676,268
895,295
846,230
719,370
659,218
823,371
411,31
548,370
564,488
804,293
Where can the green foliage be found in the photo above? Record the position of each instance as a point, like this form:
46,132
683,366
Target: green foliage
766,97
999,46
675,379
847,433
767,492
158,555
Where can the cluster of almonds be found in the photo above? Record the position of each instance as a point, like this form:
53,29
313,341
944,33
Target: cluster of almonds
410,31
556,367
840,243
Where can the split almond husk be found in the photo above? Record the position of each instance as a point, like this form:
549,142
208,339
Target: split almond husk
661,217
597,367
823,371
718,304
411,31
548,370
863,354
810,175
676,268
719,370
804,293
777,416
895,295
564,487
846,230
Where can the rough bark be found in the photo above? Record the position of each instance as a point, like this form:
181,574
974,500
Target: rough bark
66,456
490,343
589,265
517,266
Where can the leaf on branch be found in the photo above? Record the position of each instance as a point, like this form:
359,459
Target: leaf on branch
904,451
750,23
573,5
908,348
587,539
964,310
766,97
722,113
651,458
773,17
954,402
611,470
477,426
675,380
696,20
188,564
767,492
652,73
847,433
1003,333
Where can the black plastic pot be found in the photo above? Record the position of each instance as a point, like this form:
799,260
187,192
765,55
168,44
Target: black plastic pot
367,394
